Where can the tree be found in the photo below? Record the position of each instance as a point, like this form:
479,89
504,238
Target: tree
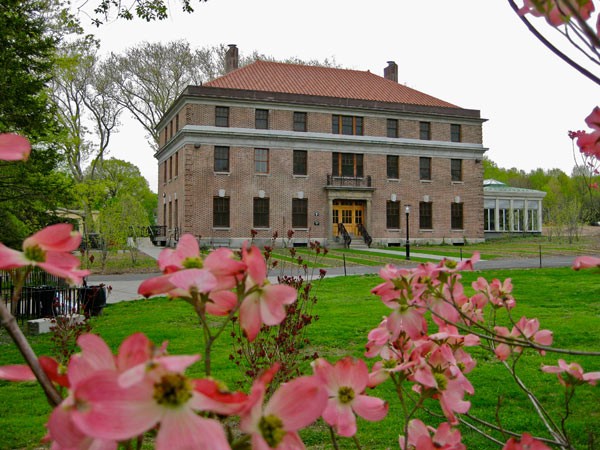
147,10
29,193
88,115
124,178
148,78
119,224
26,62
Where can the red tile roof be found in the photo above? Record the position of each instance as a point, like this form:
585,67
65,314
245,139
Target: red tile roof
322,81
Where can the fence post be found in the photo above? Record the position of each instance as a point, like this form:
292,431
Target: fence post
344,255
540,256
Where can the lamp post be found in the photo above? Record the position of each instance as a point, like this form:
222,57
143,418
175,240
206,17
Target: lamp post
407,211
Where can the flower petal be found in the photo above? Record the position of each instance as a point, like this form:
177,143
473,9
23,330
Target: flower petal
250,316
56,238
109,411
298,403
340,417
134,350
370,408
182,429
14,147
16,372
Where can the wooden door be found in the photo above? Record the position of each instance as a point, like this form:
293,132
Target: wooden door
350,213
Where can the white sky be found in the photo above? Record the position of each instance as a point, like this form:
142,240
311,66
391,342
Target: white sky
474,53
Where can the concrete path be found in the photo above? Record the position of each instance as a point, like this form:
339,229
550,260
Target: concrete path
124,287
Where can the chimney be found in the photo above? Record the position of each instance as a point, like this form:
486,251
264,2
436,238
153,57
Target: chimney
231,58
391,71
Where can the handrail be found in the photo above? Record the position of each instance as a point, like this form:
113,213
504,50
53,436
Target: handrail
345,235
335,180
365,234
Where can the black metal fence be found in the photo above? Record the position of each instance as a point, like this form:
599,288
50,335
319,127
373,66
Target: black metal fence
44,295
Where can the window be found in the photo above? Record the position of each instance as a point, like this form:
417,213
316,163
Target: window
425,168
261,160
392,215
164,172
300,162
392,128
425,215
261,213
300,121
176,213
221,159
299,213
351,125
518,216
455,133
176,164
532,219
489,215
347,164
176,123
221,212
489,219
456,216
518,219
221,116
392,167
170,167
456,169
503,215
261,119
425,131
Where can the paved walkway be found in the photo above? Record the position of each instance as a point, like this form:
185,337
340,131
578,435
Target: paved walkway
124,287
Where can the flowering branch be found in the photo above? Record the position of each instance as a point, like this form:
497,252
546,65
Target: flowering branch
551,47
9,322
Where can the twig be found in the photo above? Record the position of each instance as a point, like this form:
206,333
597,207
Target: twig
552,48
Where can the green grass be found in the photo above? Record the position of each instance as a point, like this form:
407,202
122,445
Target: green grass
118,262
565,301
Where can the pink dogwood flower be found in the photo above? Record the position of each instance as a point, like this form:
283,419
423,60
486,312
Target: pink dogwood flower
419,437
585,262
93,365
527,442
264,302
221,264
557,12
524,329
14,147
120,398
346,382
50,250
439,373
293,406
571,374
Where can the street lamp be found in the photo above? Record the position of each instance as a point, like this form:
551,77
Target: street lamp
407,211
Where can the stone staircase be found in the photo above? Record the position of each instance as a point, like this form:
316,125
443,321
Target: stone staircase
358,243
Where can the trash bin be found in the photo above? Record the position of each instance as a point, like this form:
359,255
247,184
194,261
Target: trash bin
92,299
43,298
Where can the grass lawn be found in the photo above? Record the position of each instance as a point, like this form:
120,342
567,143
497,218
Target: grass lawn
565,301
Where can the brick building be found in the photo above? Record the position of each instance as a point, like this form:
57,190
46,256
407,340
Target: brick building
276,147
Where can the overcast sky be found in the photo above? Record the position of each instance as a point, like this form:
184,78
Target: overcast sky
475,54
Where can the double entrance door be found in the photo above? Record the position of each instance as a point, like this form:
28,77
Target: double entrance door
349,212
